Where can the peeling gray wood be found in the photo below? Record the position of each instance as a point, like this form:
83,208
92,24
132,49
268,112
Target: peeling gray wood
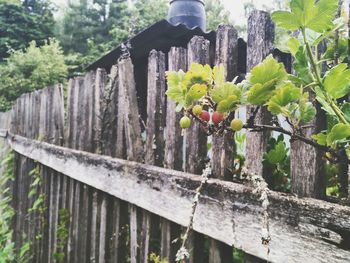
196,139
261,32
299,227
223,146
134,144
177,59
196,148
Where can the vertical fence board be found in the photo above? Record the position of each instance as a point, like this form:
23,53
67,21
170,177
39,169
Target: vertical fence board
224,145
133,137
154,147
177,59
259,45
196,146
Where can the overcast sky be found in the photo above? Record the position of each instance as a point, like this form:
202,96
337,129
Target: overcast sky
236,7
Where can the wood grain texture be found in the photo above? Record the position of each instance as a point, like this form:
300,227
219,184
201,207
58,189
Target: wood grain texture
134,144
223,146
301,229
261,32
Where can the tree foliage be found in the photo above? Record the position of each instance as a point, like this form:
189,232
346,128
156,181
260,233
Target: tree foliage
21,23
31,69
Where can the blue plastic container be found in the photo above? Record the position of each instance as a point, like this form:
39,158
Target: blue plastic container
188,12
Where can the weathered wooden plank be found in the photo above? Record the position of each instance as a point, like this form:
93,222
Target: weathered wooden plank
196,147
300,228
134,144
196,140
154,146
223,148
260,44
177,59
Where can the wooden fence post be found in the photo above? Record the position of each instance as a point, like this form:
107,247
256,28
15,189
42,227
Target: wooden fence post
196,139
259,45
177,59
154,147
224,145
260,41
134,142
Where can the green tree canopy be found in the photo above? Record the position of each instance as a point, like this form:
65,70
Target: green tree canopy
31,69
20,23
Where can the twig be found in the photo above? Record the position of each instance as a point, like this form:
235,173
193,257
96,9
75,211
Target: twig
183,254
261,188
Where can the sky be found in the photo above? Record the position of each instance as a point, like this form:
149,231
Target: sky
236,7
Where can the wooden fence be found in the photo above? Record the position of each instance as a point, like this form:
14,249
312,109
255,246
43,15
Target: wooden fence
116,162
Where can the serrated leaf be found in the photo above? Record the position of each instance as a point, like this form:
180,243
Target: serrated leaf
229,104
322,100
323,15
176,94
307,14
196,92
268,71
197,74
285,20
306,112
301,65
219,74
336,82
175,90
339,133
293,45
342,50
278,154
282,96
223,92
320,138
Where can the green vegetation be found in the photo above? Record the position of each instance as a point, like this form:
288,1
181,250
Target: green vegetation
6,210
31,69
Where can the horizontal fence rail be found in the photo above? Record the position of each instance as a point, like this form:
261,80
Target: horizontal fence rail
304,229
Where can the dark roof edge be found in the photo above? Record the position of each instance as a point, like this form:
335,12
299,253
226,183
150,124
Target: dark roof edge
152,33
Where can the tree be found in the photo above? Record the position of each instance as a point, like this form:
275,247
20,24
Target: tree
216,14
22,23
31,69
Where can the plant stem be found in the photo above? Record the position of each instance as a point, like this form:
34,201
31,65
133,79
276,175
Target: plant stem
317,75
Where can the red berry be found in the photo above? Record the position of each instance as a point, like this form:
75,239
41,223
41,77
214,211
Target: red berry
217,117
205,116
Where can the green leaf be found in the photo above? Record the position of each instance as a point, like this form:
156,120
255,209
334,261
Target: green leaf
322,100
306,112
268,71
229,104
293,45
336,81
198,74
285,20
283,95
339,133
175,91
278,154
345,108
196,92
224,92
323,15
263,80
307,14
219,74
301,65
320,138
